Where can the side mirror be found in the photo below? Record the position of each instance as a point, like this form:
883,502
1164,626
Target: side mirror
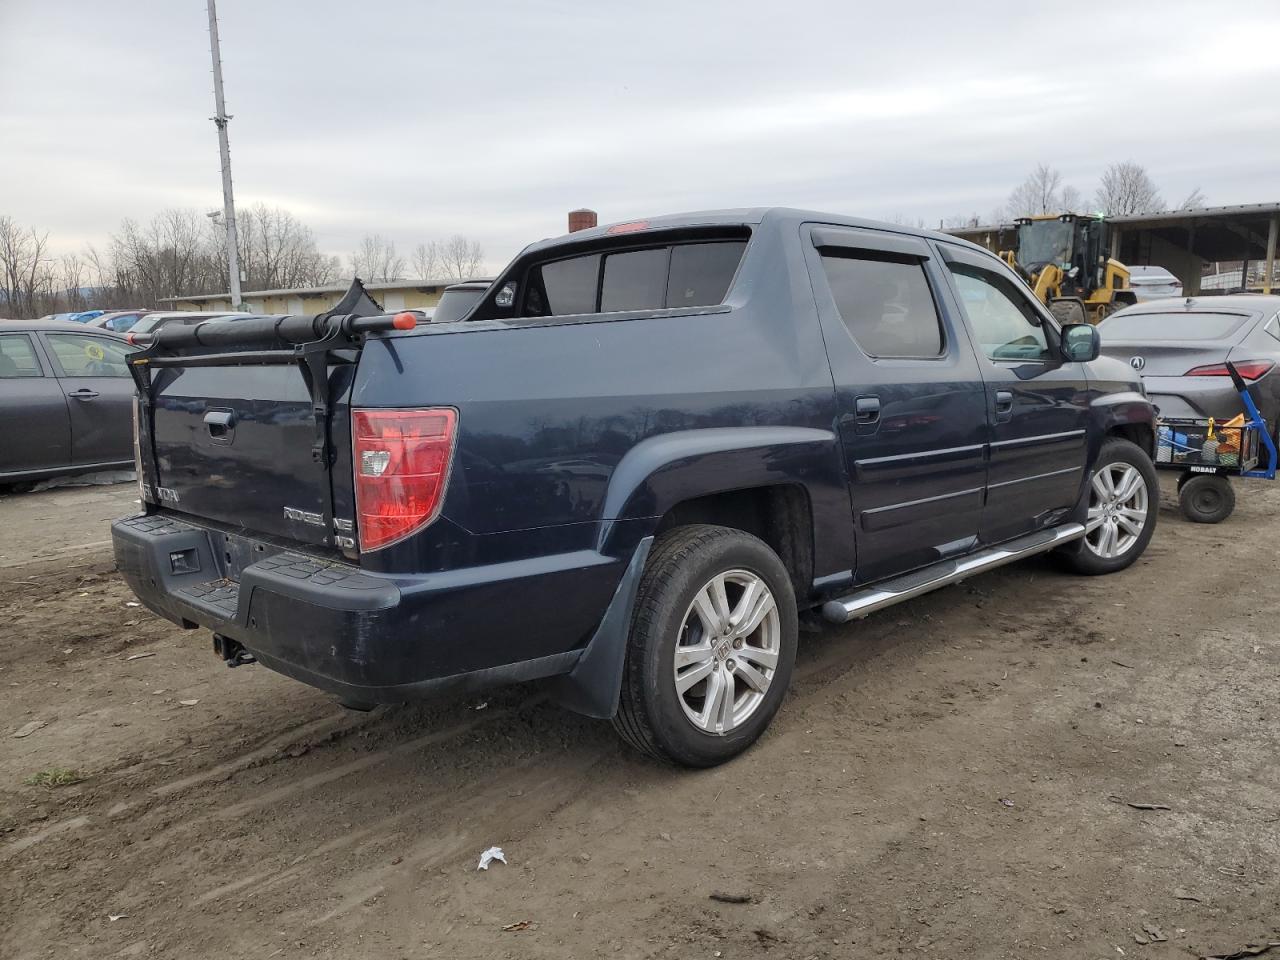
1081,342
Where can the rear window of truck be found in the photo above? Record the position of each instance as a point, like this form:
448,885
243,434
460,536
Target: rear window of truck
650,278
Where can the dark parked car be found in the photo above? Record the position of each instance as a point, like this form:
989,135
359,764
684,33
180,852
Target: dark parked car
66,400
646,453
458,299
1180,348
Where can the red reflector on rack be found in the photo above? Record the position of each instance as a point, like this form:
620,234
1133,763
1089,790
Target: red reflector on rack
404,321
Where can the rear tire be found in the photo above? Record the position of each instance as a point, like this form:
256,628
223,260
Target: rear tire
692,678
1123,498
1206,498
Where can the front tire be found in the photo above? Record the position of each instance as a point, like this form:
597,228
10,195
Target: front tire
1123,500
712,644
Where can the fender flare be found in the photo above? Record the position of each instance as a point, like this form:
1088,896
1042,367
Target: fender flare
1124,408
664,470
652,477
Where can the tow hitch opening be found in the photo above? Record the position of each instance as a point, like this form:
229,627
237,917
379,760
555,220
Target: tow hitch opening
232,652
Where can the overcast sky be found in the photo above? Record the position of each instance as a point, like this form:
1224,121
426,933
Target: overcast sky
422,118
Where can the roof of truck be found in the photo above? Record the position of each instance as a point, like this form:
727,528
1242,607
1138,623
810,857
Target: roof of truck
746,216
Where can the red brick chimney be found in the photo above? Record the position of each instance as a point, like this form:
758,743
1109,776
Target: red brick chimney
583,219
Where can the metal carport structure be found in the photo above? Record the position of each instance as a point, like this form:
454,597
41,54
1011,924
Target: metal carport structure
1181,241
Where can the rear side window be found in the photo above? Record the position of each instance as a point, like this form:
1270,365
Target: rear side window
653,278
635,280
885,302
18,357
701,273
89,356
570,286
1170,326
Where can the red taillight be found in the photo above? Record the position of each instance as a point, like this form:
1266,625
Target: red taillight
401,466
1249,369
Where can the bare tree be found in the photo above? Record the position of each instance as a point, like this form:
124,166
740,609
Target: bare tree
1040,193
73,271
376,259
961,221
1071,200
278,251
1126,188
26,270
1193,200
461,258
171,255
426,260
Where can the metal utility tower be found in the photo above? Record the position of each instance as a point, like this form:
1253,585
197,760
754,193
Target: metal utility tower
224,147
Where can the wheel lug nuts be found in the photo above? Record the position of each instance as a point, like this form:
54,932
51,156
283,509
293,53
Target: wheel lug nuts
732,665
737,644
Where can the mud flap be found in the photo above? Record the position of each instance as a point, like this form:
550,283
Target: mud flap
593,686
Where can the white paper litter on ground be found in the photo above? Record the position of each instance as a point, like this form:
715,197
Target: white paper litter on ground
490,855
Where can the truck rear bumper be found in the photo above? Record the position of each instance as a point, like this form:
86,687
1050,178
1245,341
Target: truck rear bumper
369,638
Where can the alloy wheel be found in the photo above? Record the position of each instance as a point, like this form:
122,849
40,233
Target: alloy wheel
727,651
1118,505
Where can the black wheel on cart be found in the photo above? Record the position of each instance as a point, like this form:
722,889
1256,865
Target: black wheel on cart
1206,498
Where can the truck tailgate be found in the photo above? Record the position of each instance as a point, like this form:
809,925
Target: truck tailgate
234,445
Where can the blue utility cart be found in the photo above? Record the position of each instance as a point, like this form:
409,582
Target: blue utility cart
1208,453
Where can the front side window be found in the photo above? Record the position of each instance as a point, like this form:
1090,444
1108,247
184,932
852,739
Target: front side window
18,357
1005,323
885,302
81,356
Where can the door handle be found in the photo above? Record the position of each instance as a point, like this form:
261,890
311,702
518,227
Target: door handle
84,393
1004,405
221,424
866,409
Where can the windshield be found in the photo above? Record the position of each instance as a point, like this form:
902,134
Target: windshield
1045,241
1170,326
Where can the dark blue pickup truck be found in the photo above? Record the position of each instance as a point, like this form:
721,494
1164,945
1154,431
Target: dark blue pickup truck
644,454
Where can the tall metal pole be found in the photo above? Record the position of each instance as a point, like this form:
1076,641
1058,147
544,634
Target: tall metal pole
224,147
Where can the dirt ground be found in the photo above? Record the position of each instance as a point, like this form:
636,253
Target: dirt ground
951,778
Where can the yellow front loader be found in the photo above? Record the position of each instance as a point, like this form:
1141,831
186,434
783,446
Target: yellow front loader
1064,260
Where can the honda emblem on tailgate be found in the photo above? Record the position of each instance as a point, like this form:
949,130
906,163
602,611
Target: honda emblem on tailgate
306,516
1137,362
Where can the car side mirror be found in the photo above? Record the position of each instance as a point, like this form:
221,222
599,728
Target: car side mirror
1081,342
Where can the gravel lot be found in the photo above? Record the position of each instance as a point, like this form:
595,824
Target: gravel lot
952,778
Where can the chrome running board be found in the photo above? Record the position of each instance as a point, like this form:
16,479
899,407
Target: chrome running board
888,592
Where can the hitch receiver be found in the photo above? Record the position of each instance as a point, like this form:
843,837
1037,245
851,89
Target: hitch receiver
232,652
